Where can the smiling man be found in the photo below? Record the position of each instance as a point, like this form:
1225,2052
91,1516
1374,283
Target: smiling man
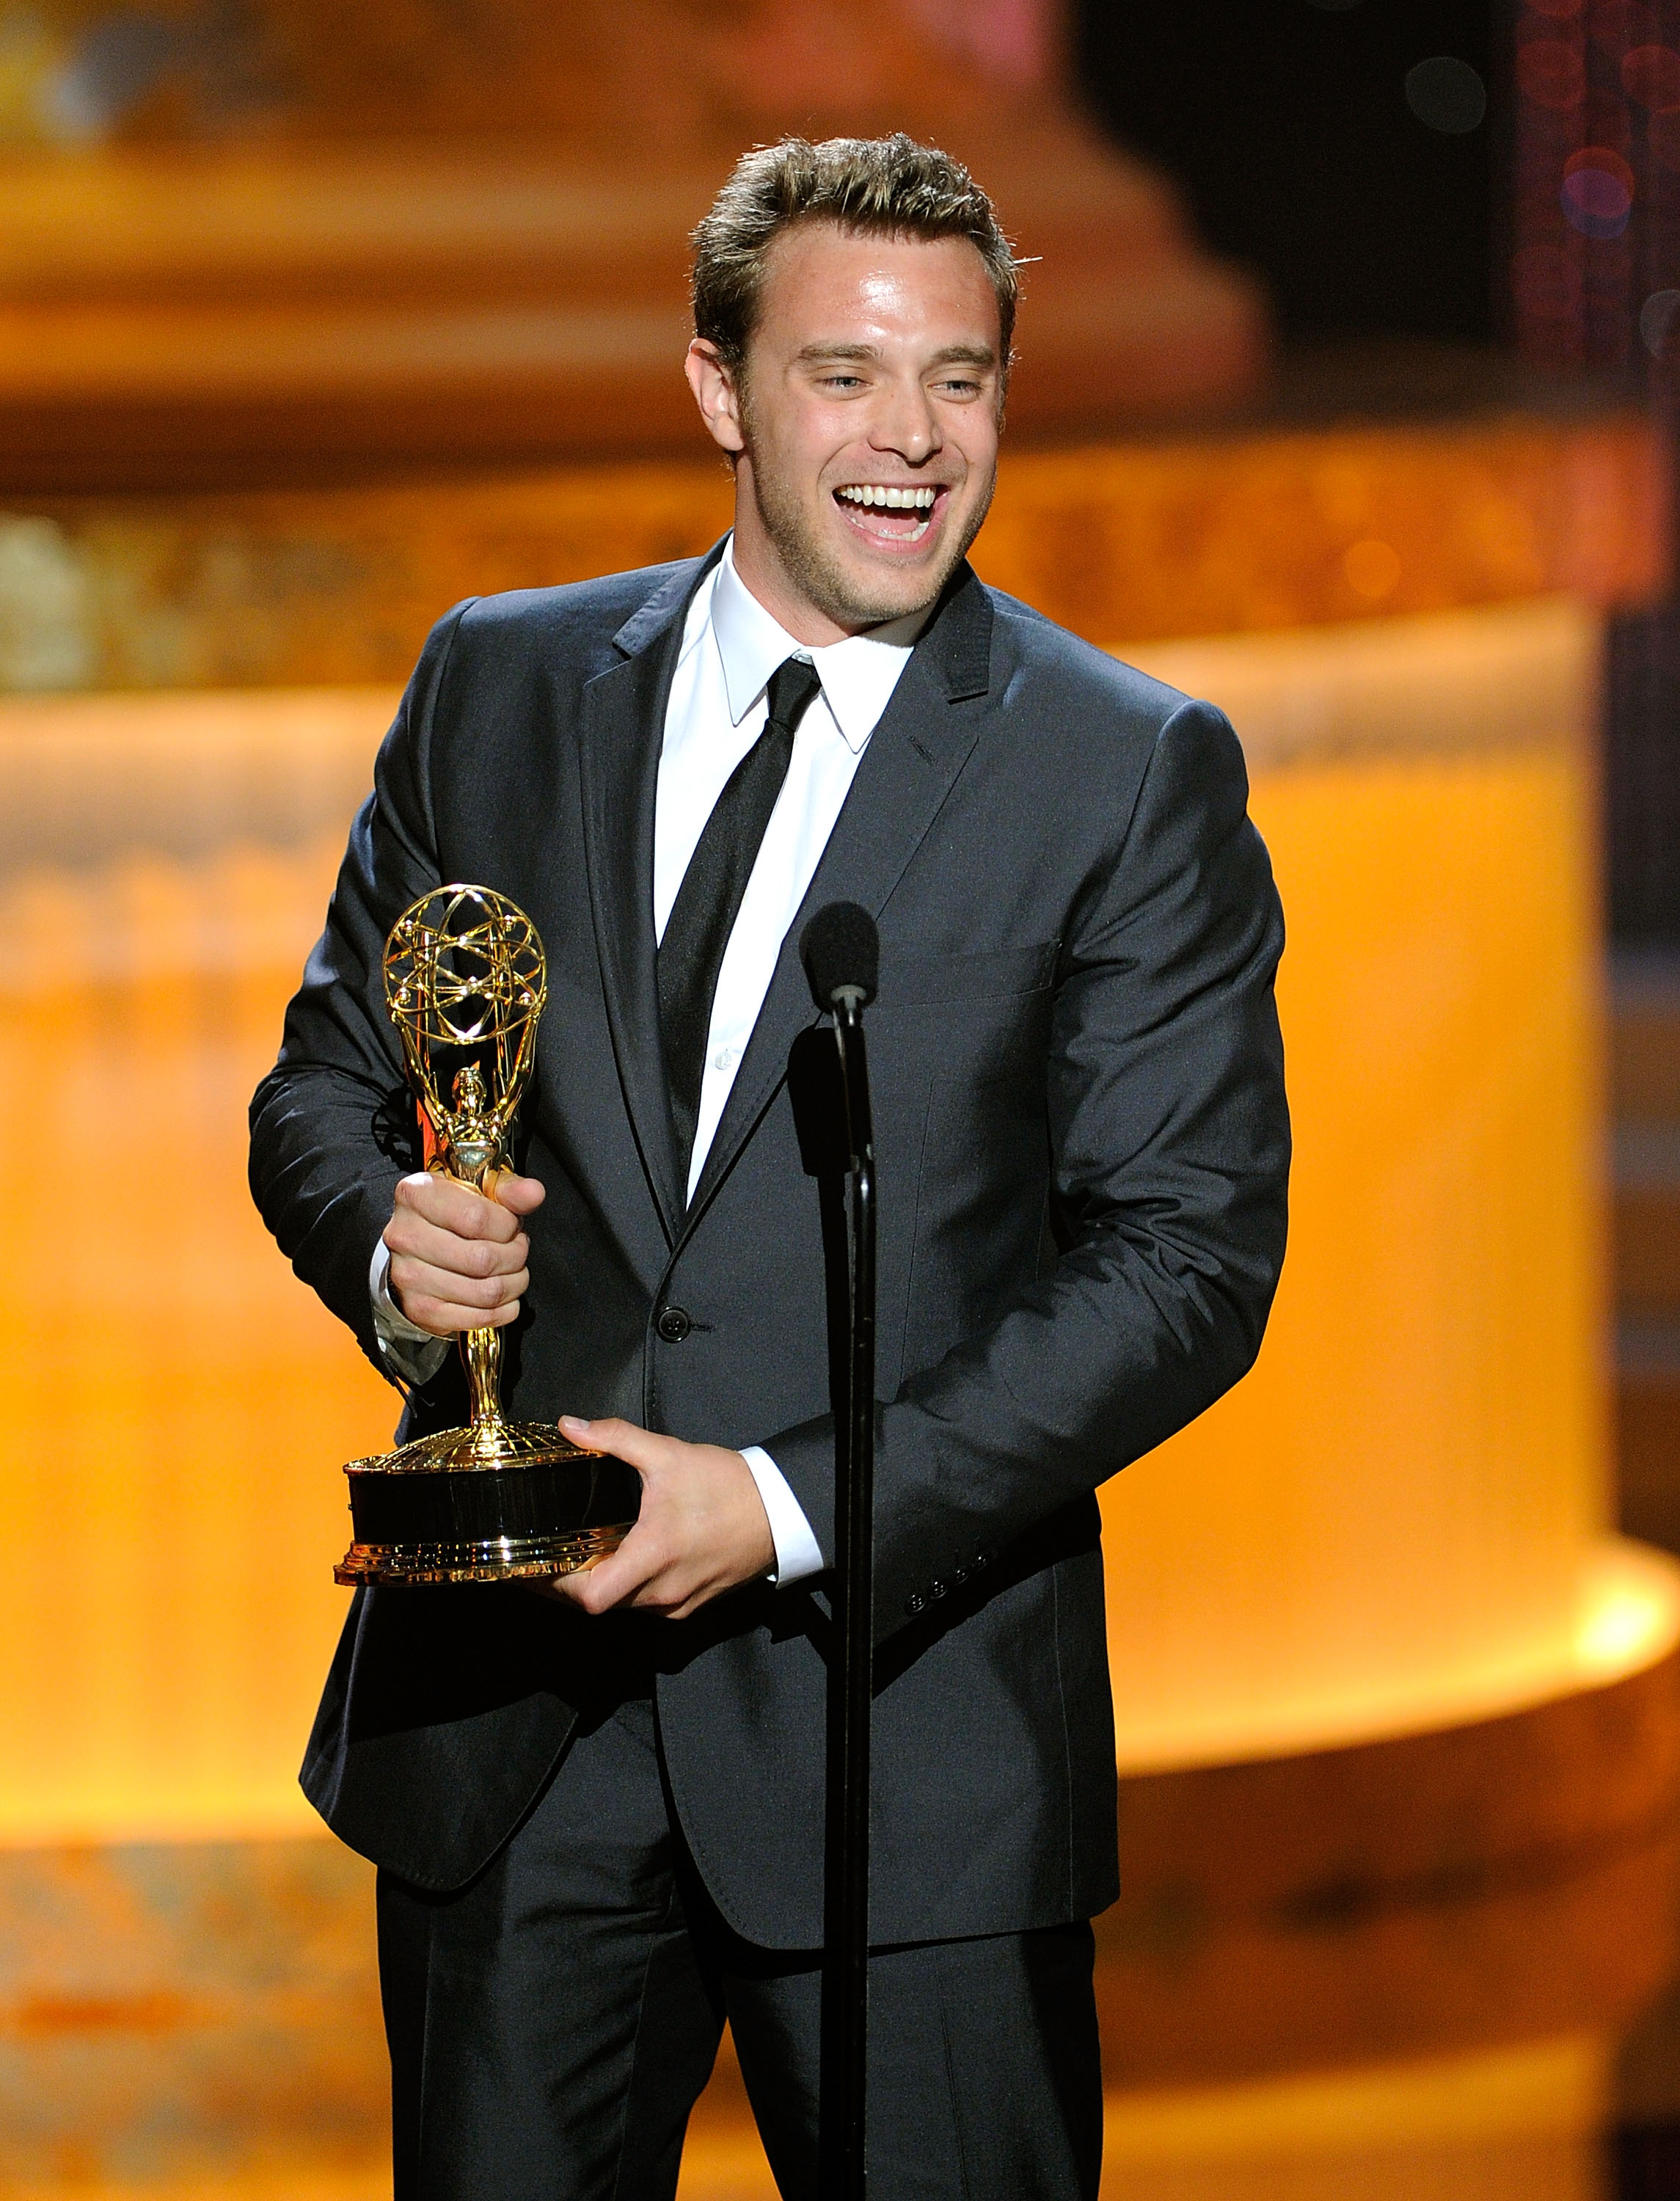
598,1812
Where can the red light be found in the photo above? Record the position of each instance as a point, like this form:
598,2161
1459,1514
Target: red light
1551,74
1651,75
1602,158
1618,24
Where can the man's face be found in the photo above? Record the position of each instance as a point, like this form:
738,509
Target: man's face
866,422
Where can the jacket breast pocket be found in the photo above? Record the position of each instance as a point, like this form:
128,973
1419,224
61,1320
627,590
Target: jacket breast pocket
971,1019
937,981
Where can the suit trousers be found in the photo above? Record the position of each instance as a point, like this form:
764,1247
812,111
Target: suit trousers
552,2024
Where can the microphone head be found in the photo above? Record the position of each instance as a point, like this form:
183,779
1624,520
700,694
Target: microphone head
841,951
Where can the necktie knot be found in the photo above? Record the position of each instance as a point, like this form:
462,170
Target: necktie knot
793,686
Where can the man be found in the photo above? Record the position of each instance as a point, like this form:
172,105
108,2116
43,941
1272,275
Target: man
598,1813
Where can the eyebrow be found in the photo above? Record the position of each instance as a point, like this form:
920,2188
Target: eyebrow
952,355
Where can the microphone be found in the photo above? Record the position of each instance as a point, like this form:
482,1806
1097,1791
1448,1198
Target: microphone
841,951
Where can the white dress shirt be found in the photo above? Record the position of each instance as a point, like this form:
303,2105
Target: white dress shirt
716,712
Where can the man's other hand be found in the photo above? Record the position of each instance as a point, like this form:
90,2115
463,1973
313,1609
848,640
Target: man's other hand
702,1529
458,1257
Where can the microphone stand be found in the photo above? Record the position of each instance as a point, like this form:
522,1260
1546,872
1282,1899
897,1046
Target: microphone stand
828,1074
853,1522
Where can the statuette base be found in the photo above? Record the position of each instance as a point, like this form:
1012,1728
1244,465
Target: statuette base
507,1558
500,1501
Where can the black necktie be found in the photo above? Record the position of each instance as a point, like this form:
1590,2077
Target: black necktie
703,915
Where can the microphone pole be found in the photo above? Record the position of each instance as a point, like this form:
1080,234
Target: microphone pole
828,1074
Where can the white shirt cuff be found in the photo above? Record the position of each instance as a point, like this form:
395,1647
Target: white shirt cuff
415,1354
797,1551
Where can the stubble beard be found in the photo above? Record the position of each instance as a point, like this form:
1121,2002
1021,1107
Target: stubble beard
819,574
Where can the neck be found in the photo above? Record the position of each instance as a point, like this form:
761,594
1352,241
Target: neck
763,574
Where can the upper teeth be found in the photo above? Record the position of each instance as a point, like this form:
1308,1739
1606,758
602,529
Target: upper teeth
919,499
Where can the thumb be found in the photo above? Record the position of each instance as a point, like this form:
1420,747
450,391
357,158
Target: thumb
636,1447
520,1195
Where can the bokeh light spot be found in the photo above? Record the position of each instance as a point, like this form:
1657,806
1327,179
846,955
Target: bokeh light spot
1651,75
1659,322
1551,74
1601,156
1372,568
1618,25
1597,194
1448,94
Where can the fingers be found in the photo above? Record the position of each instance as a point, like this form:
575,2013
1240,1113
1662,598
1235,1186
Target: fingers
621,1578
444,1302
422,1241
702,1530
638,1447
459,1260
457,1208
522,1194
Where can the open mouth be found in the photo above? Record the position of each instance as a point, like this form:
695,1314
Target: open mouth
899,512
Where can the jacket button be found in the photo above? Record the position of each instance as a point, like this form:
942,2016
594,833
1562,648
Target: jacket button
673,1324
936,1589
914,1603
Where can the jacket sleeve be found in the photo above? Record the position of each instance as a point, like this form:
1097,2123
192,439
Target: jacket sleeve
323,1171
1169,1152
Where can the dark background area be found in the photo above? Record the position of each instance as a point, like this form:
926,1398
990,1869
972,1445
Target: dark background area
1286,125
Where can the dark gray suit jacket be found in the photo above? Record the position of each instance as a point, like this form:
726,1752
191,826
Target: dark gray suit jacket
1082,1150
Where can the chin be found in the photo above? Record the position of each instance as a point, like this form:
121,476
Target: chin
851,589
876,597
871,593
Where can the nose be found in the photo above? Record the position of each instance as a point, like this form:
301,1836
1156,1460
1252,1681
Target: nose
906,423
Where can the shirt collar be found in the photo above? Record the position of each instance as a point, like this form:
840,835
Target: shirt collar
858,674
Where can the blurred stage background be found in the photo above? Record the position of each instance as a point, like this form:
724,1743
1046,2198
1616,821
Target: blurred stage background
1344,398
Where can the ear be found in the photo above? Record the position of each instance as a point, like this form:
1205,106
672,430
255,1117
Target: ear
715,394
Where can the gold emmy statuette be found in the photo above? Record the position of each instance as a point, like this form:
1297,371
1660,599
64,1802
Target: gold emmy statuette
465,983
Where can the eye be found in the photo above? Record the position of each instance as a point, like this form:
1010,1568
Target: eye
841,381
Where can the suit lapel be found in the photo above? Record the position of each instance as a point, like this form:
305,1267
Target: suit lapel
912,761
621,733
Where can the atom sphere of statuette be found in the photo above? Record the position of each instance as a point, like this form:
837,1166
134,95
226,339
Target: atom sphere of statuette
464,965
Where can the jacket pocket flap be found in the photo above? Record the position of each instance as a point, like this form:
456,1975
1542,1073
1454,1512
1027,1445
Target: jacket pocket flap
919,981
